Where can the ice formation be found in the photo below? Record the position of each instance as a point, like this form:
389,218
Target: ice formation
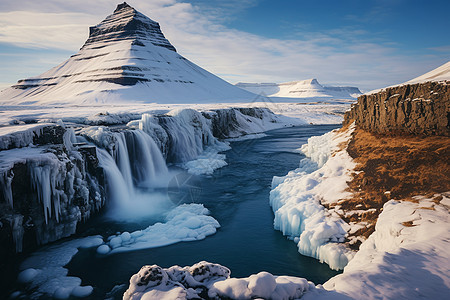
20,135
45,275
210,280
187,222
297,199
55,178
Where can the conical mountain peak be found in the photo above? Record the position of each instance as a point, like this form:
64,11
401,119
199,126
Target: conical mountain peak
122,6
126,59
126,23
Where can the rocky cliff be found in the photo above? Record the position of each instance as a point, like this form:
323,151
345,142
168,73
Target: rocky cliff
419,109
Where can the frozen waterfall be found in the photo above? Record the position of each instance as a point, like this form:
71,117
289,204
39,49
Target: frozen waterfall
136,162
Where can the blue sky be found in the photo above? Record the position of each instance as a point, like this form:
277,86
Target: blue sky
369,44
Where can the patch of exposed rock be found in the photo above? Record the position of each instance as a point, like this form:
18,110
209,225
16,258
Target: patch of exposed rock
419,109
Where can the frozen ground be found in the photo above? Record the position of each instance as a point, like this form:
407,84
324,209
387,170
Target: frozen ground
304,112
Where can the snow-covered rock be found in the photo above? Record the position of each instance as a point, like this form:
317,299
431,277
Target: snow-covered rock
405,258
310,88
46,190
187,222
213,280
125,59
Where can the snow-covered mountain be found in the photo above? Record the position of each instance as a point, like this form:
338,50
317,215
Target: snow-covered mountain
126,58
310,88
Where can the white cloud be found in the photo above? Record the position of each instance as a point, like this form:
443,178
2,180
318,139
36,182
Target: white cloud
335,57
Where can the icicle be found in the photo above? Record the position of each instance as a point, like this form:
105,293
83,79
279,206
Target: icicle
6,180
40,178
48,180
17,231
69,138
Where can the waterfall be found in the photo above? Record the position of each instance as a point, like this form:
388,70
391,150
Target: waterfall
123,161
116,186
146,160
136,161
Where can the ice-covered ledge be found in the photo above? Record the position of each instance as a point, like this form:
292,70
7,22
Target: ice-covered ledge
297,199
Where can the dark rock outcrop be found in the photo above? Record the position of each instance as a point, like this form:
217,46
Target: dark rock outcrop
225,123
419,109
128,24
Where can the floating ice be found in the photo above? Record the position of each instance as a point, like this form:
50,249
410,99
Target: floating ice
44,271
209,161
247,137
187,222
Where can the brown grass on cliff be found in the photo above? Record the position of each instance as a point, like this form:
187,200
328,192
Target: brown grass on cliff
394,167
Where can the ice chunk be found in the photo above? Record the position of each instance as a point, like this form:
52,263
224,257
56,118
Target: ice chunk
45,274
187,222
27,275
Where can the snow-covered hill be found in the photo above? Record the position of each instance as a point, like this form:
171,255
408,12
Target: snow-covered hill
441,73
126,58
310,88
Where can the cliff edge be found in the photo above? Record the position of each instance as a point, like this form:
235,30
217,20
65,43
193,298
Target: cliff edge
420,106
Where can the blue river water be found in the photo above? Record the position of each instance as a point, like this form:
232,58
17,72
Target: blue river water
237,196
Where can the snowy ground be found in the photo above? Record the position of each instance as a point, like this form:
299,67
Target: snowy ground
304,111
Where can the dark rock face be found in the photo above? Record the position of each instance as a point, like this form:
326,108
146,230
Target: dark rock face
50,135
128,24
44,197
225,122
419,109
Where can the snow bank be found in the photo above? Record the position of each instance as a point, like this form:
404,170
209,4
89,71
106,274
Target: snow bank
44,273
262,285
204,278
18,136
187,222
405,258
297,199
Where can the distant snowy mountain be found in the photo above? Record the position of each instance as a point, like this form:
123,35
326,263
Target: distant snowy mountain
126,58
310,88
